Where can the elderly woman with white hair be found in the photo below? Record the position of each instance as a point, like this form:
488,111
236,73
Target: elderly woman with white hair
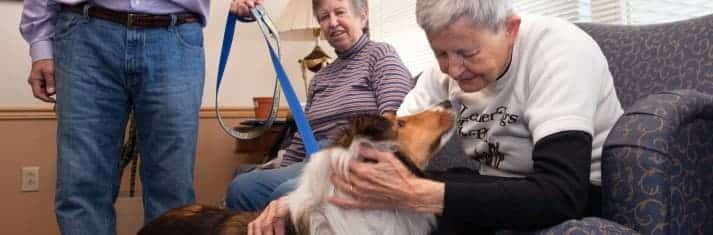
536,101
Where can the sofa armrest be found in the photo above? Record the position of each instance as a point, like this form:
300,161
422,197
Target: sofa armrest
584,226
675,108
641,160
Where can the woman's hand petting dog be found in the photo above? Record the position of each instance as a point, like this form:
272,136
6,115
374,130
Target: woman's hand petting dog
272,220
383,182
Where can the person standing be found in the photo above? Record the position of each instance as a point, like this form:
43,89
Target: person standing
103,59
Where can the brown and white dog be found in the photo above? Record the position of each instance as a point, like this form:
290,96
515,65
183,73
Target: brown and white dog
413,138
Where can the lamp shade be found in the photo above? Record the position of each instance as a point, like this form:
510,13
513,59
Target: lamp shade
297,21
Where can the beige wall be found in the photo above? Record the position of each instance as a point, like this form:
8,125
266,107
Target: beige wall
27,126
28,139
249,72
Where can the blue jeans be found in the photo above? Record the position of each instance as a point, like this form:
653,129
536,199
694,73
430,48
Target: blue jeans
103,70
253,190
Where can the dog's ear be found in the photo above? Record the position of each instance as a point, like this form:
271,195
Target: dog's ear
391,116
371,126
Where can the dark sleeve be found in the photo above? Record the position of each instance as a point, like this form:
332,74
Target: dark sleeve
556,191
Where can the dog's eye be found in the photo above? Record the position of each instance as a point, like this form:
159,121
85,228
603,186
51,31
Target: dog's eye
401,123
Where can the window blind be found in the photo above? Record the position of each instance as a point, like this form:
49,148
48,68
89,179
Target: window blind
617,11
567,9
660,11
394,22
607,11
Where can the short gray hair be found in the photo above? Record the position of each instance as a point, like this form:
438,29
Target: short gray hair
357,6
434,15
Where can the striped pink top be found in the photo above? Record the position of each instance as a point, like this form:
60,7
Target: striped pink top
368,78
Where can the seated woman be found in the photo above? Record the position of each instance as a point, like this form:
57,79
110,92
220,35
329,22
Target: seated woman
536,102
366,77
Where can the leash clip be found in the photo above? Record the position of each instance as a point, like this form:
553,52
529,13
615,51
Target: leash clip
267,26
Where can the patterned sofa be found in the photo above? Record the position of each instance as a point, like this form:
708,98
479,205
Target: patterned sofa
657,163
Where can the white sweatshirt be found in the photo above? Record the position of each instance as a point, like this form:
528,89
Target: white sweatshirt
558,80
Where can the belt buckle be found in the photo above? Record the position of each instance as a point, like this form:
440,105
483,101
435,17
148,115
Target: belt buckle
130,19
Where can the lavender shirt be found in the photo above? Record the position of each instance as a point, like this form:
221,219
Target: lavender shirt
37,23
368,78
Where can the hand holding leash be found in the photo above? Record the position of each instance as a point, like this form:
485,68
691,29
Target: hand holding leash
242,7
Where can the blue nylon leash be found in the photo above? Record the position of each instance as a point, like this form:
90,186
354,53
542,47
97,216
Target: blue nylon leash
267,27
255,131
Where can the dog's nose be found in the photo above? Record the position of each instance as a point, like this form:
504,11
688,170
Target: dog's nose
446,104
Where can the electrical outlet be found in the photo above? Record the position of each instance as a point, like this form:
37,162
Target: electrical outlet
30,179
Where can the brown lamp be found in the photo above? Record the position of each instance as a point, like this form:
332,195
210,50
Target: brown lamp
315,60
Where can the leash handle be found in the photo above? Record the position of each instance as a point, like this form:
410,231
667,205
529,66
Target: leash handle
303,127
268,30
224,54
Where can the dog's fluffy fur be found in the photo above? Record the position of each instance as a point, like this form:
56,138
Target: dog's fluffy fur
418,137
414,138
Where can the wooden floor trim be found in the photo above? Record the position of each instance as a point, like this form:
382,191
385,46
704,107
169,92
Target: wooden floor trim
35,113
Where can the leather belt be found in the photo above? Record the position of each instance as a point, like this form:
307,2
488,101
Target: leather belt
139,20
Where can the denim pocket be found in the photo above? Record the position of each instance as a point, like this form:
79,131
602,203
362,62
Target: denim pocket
66,24
189,35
